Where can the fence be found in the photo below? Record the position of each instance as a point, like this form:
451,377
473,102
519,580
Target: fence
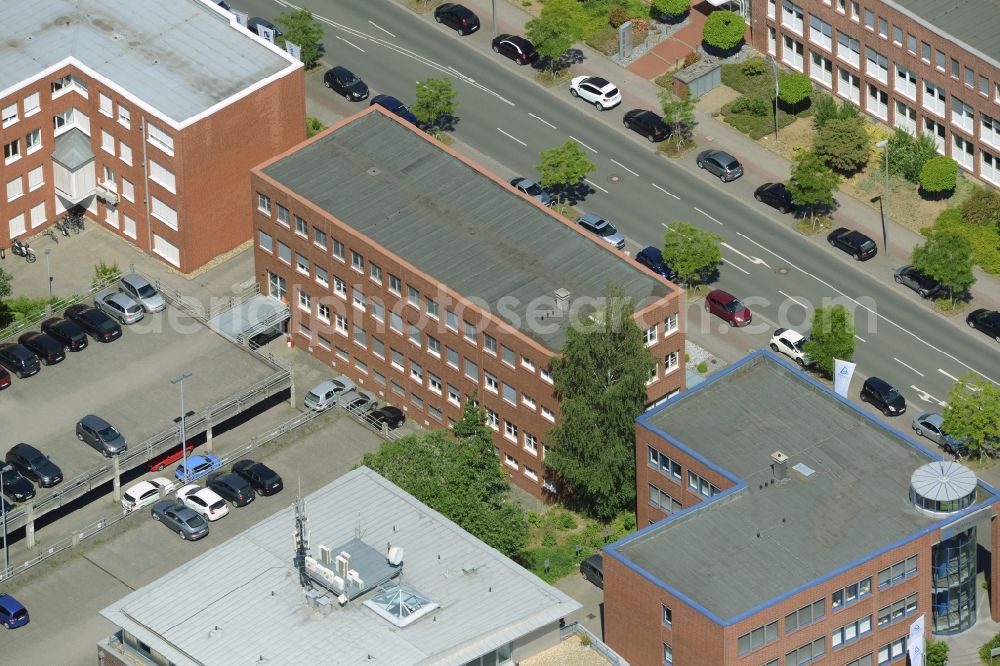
54,309
596,643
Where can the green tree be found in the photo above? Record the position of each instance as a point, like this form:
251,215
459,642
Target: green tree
946,257
601,383
6,284
939,175
843,144
973,414
812,183
563,166
724,29
832,336
313,126
678,116
105,273
908,154
435,103
554,31
826,108
692,253
794,88
302,29
937,654
982,206
672,9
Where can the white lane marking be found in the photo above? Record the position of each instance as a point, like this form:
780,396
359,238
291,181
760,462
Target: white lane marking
952,378
374,24
665,192
735,266
350,43
753,260
593,184
794,300
907,365
626,168
583,144
542,120
927,397
509,136
860,338
707,215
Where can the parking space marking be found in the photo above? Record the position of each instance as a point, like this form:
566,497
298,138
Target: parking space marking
907,365
593,184
794,300
512,137
707,215
541,120
665,192
583,144
376,25
625,167
350,43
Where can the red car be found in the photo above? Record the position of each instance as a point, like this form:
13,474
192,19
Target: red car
169,458
4,379
725,305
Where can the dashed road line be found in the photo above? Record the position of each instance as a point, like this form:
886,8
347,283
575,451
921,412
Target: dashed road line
593,184
349,43
736,267
707,215
907,365
794,300
583,144
951,377
376,25
665,192
509,136
626,168
542,120
860,338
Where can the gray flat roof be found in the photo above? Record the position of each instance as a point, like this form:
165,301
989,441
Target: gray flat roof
744,549
970,22
178,57
455,224
248,589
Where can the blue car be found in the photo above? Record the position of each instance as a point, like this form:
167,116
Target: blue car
393,105
197,467
652,258
13,614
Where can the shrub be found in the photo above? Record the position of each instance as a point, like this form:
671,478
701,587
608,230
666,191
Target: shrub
691,58
724,30
759,106
985,239
702,367
794,88
984,651
843,144
567,521
617,16
908,154
825,109
672,9
939,175
754,67
982,206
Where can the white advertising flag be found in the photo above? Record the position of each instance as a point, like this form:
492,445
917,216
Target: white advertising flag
293,50
266,33
842,373
915,644
241,17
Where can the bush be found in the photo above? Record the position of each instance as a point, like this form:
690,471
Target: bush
794,88
691,58
617,16
982,207
724,30
754,67
984,651
908,154
567,521
549,539
985,240
825,109
754,106
939,175
843,144
672,9
702,367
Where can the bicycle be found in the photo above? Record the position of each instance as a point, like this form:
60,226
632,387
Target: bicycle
73,220
51,234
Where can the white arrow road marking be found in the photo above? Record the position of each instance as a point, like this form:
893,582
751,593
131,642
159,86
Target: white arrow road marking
625,167
542,120
907,365
753,260
735,266
707,215
381,28
350,43
927,397
794,300
512,137
593,184
665,192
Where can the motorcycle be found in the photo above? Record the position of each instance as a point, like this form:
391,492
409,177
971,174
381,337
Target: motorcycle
23,250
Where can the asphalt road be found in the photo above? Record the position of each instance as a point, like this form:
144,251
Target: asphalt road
778,273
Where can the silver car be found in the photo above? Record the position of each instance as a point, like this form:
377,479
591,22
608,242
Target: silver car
600,227
118,306
928,424
360,402
324,395
720,163
140,290
532,189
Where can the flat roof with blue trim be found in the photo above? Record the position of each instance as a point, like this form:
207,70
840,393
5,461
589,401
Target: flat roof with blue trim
756,544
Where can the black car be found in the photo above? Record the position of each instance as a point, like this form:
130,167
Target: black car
987,321
19,360
518,49
393,105
392,417
256,23
69,334
17,488
652,258
457,18
102,327
854,243
592,569
883,396
775,195
647,124
924,285
263,479
342,81
49,350
34,464
231,487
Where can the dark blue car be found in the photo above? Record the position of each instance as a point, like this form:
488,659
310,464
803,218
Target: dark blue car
652,258
13,614
393,105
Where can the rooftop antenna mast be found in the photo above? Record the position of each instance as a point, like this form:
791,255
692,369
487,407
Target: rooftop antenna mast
301,541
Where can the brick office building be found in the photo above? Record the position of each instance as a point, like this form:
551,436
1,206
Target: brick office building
919,65
786,526
425,279
148,114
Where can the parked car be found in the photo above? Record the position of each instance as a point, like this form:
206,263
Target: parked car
34,465
15,487
48,350
13,614
263,479
652,258
360,402
854,243
205,501
99,325
231,487
647,124
883,396
183,520
164,460
118,305
342,81
592,569
775,195
533,190
728,307
518,49
598,91
19,360
197,467
255,23
101,435
393,105
721,164
791,343
457,18
986,321
603,229
324,395
145,493
140,290
924,285
65,331
4,379
928,424
393,417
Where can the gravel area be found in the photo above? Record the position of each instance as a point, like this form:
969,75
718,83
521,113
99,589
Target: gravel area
569,651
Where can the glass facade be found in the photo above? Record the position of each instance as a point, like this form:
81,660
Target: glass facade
954,583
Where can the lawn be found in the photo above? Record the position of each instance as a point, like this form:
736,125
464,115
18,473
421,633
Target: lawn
556,534
753,113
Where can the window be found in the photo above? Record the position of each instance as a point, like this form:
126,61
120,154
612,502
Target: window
451,320
124,117
855,11
164,212
956,69
897,572
668,616
378,347
323,312
970,77
340,324
319,237
962,115
492,420
413,296
806,654
531,474
527,401
906,118
989,130
771,5
265,241
925,52
528,363
906,82
414,334
869,19
264,203
397,360
849,86
416,400
31,105
432,307
850,594
11,151
471,370
305,330
15,188
897,35
548,414
396,322
530,442
340,287
510,460
509,393
454,395
934,98
700,485
357,262
9,115
338,249
124,152
396,388
877,65
936,131
878,102
301,226
416,372
451,357
668,654
848,49
649,337
160,174
911,43
663,501
805,616
669,467
36,178
342,354
671,362
842,6
321,275
820,32
792,53
897,611
791,17
863,661
378,310
757,638
160,139
109,174
883,28
772,41
304,301
510,431
821,70
434,383
375,272
470,332
434,346
892,651
359,298
508,356
324,343
395,285
301,264
105,105
490,382
940,60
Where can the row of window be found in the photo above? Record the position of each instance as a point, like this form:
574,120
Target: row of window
672,469
815,649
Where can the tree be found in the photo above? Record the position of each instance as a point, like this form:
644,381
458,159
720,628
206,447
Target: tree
832,336
937,653
672,9
843,144
6,284
302,29
826,108
692,253
908,154
812,183
946,257
724,30
554,31
972,414
982,206
794,88
678,116
563,166
435,102
939,175
601,383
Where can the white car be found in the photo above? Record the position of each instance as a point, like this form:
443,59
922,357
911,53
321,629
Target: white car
600,92
790,343
204,501
145,493
324,395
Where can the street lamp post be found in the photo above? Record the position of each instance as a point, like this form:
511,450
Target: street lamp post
180,380
774,66
883,200
48,270
493,4
3,509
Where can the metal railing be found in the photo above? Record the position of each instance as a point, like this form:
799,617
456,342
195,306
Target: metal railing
54,310
596,643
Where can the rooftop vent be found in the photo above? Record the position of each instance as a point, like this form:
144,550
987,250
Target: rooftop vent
562,299
779,465
373,171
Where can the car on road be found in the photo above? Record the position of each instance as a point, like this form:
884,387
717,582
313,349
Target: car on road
854,243
34,465
985,321
791,343
15,487
118,305
393,105
726,306
255,23
13,614
883,396
775,195
101,435
924,285
598,91
592,569
652,258
197,466
603,229
518,49
145,493
392,417
167,459
65,331
48,350
457,17
928,424
19,360
263,479
533,190
100,326
205,501
231,487
343,82
4,379
140,290
360,402
647,124
181,519
721,164
324,395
